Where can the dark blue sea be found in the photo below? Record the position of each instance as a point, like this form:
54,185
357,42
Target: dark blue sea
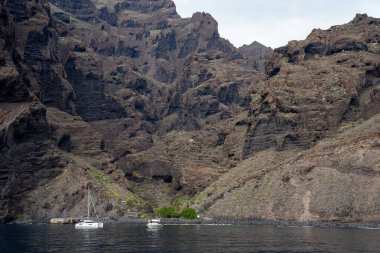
186,238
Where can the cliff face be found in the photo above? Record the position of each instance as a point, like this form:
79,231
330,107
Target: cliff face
143,106
45,153
313,133
27,150
311,92
337,180
150,82
110,91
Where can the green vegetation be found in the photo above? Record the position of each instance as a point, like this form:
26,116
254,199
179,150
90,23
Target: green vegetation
104,182
143,216
134,202
189,213
170,212
126,199
167,212
19,216
133,187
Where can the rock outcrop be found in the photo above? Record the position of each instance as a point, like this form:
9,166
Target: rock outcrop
309,95
257,53
37,142
26,148
27,158
337,180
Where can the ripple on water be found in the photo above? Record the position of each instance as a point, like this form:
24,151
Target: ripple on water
195,238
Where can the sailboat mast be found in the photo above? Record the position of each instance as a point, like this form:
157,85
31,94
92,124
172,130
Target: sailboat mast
88,203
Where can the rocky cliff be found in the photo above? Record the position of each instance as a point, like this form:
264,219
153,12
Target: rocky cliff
310,92
26,156
312,144
150,82
120,96
143,106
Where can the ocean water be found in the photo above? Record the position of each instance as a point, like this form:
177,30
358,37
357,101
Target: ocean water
186,238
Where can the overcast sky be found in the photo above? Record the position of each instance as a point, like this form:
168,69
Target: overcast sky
275,22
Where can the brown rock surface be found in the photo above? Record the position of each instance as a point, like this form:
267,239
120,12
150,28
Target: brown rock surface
313,132
306,96
337,180
39,146
28,158
144,76
139,75
257,53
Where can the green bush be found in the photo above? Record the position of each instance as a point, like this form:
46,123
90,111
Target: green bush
143,216
170,212
167,212
189,213
19,216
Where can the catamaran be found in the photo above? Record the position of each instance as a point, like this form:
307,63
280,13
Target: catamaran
88,223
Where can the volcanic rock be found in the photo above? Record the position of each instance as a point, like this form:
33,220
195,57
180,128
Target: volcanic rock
311,147
257,52
307,97
337,180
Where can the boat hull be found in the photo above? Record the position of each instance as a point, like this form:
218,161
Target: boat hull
89,225
154,225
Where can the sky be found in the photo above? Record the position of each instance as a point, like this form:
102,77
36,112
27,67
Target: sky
275,22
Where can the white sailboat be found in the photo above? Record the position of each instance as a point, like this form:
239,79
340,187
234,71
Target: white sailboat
88,223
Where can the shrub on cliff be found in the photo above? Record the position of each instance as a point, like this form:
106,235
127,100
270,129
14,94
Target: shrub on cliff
170,212
167,212
189,213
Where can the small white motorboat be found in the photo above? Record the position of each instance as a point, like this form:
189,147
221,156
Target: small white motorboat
88,223
154,223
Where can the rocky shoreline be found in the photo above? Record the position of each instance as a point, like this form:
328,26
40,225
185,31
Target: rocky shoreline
230,221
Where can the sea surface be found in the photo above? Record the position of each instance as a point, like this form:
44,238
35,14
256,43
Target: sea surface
186,238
